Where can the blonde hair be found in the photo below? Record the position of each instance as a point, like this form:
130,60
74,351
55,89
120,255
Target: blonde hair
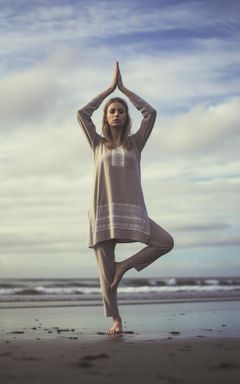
126,129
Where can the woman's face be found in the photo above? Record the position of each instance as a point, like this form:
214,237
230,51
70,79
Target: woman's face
116,114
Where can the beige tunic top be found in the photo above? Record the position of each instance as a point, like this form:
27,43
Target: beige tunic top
117,208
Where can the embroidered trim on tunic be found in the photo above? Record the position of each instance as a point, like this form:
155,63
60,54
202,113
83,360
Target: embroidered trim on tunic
118,157
121,215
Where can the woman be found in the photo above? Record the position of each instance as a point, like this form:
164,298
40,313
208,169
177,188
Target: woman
117,212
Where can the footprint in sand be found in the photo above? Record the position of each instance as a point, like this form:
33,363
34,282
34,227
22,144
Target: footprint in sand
86,360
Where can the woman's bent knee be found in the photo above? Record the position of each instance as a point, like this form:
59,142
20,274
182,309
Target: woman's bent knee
166,245
170,243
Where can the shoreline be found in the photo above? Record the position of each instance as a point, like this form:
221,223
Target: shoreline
33,301
63,304
218,318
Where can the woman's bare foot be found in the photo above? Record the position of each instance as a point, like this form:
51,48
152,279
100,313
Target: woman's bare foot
120,269
116,328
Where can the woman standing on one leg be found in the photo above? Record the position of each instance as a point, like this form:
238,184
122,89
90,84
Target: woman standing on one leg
117,213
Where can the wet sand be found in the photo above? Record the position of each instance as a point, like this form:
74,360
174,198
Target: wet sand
174,343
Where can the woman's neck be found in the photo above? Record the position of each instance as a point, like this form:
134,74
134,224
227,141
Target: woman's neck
116,137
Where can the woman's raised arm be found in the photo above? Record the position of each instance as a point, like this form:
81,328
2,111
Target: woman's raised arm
148,112
84,115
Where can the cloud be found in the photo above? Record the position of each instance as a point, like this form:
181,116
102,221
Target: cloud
24,98
36,96
38,28
203,130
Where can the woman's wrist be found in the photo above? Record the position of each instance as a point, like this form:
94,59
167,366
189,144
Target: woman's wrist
110,89
125,90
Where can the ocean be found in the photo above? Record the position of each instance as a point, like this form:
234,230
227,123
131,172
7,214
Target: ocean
83,290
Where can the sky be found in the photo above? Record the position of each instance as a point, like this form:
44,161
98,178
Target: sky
182,57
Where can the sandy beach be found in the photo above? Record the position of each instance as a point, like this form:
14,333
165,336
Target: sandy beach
162,343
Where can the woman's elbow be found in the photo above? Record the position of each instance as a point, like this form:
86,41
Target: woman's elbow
154,113
80,114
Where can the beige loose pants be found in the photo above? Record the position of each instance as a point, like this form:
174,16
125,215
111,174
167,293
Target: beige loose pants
160,242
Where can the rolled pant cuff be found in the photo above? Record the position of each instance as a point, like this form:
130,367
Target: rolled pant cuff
111,314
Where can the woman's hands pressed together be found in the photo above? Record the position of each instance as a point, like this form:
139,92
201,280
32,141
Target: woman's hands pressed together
117,82
117,78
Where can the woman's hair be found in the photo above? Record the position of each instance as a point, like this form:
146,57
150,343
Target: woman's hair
126,129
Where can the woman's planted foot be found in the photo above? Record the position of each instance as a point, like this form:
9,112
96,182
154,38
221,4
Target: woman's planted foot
116,328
